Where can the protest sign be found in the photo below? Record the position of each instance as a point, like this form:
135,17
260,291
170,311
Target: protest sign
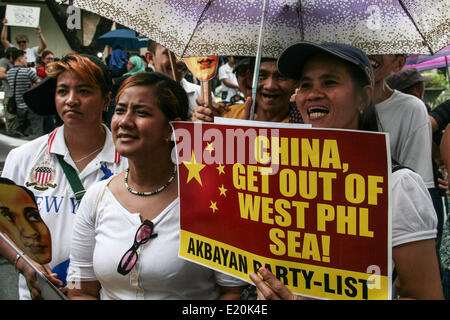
311,205
21,221
204,69
24,231
22,16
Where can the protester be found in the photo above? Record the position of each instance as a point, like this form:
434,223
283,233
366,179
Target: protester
46,57
444,250
134,65
118,62
23,43
226,75
116,211
272,98
158,57
335,91
6,63
404,117
78,89
410,81
440,117
20,79
244,69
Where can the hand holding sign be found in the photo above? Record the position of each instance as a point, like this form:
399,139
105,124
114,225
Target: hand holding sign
275,290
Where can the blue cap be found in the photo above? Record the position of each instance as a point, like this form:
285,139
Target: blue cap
293,58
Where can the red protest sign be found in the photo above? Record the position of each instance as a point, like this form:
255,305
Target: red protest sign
312,205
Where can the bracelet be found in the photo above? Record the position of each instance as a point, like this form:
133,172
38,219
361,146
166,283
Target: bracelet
18,256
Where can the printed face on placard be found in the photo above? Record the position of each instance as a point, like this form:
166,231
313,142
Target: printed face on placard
204,68
21,221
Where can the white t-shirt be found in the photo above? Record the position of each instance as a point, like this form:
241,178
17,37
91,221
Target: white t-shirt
32,53
193,91
54,196
406,119
226,72
413,215
99,244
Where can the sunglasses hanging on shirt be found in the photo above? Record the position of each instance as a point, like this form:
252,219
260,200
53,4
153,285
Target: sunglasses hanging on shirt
143,234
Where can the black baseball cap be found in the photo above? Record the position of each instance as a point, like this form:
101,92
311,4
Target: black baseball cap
406,78
241,61
293,58
41,97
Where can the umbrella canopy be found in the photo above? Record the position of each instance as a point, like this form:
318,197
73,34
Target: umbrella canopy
426,62
435,63
231,27
124,38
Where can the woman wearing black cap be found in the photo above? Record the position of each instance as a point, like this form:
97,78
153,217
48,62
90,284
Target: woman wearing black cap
336,84
59,166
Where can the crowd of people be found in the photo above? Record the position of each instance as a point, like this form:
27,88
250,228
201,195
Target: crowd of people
103,131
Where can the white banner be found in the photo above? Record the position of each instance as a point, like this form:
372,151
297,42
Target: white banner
22,16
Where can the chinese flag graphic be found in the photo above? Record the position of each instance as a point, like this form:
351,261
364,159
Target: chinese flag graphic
311,205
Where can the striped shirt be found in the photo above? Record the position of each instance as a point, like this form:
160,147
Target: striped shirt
25,77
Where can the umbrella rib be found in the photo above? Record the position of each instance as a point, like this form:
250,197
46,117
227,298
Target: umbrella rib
196,26
415,25
300,14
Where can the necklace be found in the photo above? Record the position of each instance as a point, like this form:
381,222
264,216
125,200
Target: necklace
90,154
149,193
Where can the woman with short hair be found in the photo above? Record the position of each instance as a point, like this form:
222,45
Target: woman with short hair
78,90
126,237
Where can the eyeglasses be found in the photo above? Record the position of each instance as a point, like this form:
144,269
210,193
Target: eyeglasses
22,41
143,234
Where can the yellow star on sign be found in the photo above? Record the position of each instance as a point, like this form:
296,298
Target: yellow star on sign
209,147
223,191
194,169
221,169
213,206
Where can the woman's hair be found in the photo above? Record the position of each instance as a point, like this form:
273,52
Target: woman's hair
172,99
368,119
85,67
45,53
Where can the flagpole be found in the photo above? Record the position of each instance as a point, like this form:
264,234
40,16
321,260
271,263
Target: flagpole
20,253
258,58
38,272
